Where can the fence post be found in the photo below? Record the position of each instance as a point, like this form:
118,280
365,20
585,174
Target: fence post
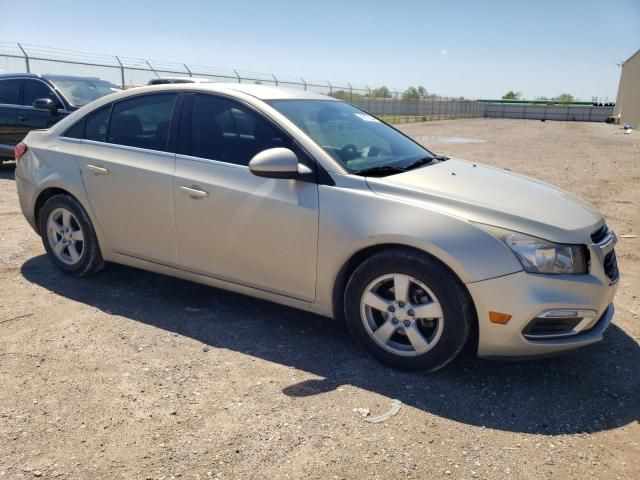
187,69
26,58
330,88
121,71
239,77
350,93
415,113
384,101
304,83
156,73
275,79
397,107
369,102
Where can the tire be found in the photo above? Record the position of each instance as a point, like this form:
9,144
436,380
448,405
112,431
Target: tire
61,239
424,332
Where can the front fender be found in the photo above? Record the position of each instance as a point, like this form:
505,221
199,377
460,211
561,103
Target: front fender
353,219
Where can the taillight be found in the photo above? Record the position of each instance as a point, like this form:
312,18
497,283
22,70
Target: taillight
19,151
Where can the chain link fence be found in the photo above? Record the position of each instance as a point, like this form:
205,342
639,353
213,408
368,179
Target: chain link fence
393,106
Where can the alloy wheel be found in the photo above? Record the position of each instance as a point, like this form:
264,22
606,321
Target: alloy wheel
401,314
65,236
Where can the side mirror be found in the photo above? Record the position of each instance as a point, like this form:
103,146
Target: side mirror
277,163
45,104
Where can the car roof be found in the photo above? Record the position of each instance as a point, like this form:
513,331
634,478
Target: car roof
262,92
48,76
20,75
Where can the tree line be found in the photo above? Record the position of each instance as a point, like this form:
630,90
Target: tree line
411,93
562,98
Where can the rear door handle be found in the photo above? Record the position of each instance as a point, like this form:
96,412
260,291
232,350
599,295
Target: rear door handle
194,192
22,118
97,170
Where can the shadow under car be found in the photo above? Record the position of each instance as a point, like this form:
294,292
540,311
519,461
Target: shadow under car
591,389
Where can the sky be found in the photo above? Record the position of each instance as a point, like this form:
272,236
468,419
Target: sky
457,47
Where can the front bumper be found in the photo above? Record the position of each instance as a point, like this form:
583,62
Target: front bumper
524,296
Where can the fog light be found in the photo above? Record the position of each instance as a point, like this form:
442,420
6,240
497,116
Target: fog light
555,323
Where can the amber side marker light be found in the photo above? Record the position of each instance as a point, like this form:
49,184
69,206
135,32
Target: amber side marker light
499,317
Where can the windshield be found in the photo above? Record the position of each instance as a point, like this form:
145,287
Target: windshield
358,141
79,92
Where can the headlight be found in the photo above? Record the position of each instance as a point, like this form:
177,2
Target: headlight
541,256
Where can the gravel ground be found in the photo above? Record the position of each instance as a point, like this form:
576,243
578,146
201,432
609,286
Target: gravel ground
135,375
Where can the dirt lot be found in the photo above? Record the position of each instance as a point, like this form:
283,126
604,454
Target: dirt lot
131,374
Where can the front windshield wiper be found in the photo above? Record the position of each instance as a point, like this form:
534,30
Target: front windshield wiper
419,163
379,171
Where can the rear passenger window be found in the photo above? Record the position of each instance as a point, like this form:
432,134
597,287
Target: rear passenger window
76,130
10,91
96,124
226,131
143,121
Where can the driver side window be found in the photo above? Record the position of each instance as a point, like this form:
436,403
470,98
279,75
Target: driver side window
229,132
35,89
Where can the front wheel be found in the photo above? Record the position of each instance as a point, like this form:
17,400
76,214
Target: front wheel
408,310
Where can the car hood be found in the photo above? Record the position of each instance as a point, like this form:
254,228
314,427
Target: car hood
493,196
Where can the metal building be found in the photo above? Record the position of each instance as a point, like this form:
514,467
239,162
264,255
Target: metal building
627,108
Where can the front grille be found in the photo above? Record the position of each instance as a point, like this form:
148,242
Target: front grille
611,266
600,234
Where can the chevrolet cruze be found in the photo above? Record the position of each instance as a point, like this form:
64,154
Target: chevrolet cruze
307,201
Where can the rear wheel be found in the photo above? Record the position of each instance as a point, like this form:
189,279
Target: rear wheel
408,310
68,236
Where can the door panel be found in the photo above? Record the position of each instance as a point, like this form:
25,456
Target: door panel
128,175
249,230
37,118
12,129
131,193
132,199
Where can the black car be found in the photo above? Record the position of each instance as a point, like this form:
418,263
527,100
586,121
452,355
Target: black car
168,80
29,101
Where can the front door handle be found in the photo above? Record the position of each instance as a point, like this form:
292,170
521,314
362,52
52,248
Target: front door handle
194,192
22,118
97,170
